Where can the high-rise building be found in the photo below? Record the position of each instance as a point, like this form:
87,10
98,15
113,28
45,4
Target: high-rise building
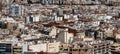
45,2
16,10
60,1
50,2
5,48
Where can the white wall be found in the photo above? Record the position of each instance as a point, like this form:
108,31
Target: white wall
36,18
38,47
24,47
27,19
14,41
65,37
21,25
53,47
53,31
46,47
56,18
96,23
66,16
68,37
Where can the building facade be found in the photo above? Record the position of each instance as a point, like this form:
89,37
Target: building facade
16,10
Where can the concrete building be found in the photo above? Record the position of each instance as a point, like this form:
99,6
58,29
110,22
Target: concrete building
46,2
45,47
32,18
53,32
52,2
16,10
7,1
5,47
65,36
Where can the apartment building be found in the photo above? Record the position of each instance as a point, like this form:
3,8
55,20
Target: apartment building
16,10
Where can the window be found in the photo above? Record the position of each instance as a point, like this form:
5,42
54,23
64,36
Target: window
16,10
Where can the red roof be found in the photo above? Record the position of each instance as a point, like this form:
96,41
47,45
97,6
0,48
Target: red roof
72,31
68,22
53,23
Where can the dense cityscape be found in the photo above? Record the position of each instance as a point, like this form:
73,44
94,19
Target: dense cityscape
59,26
